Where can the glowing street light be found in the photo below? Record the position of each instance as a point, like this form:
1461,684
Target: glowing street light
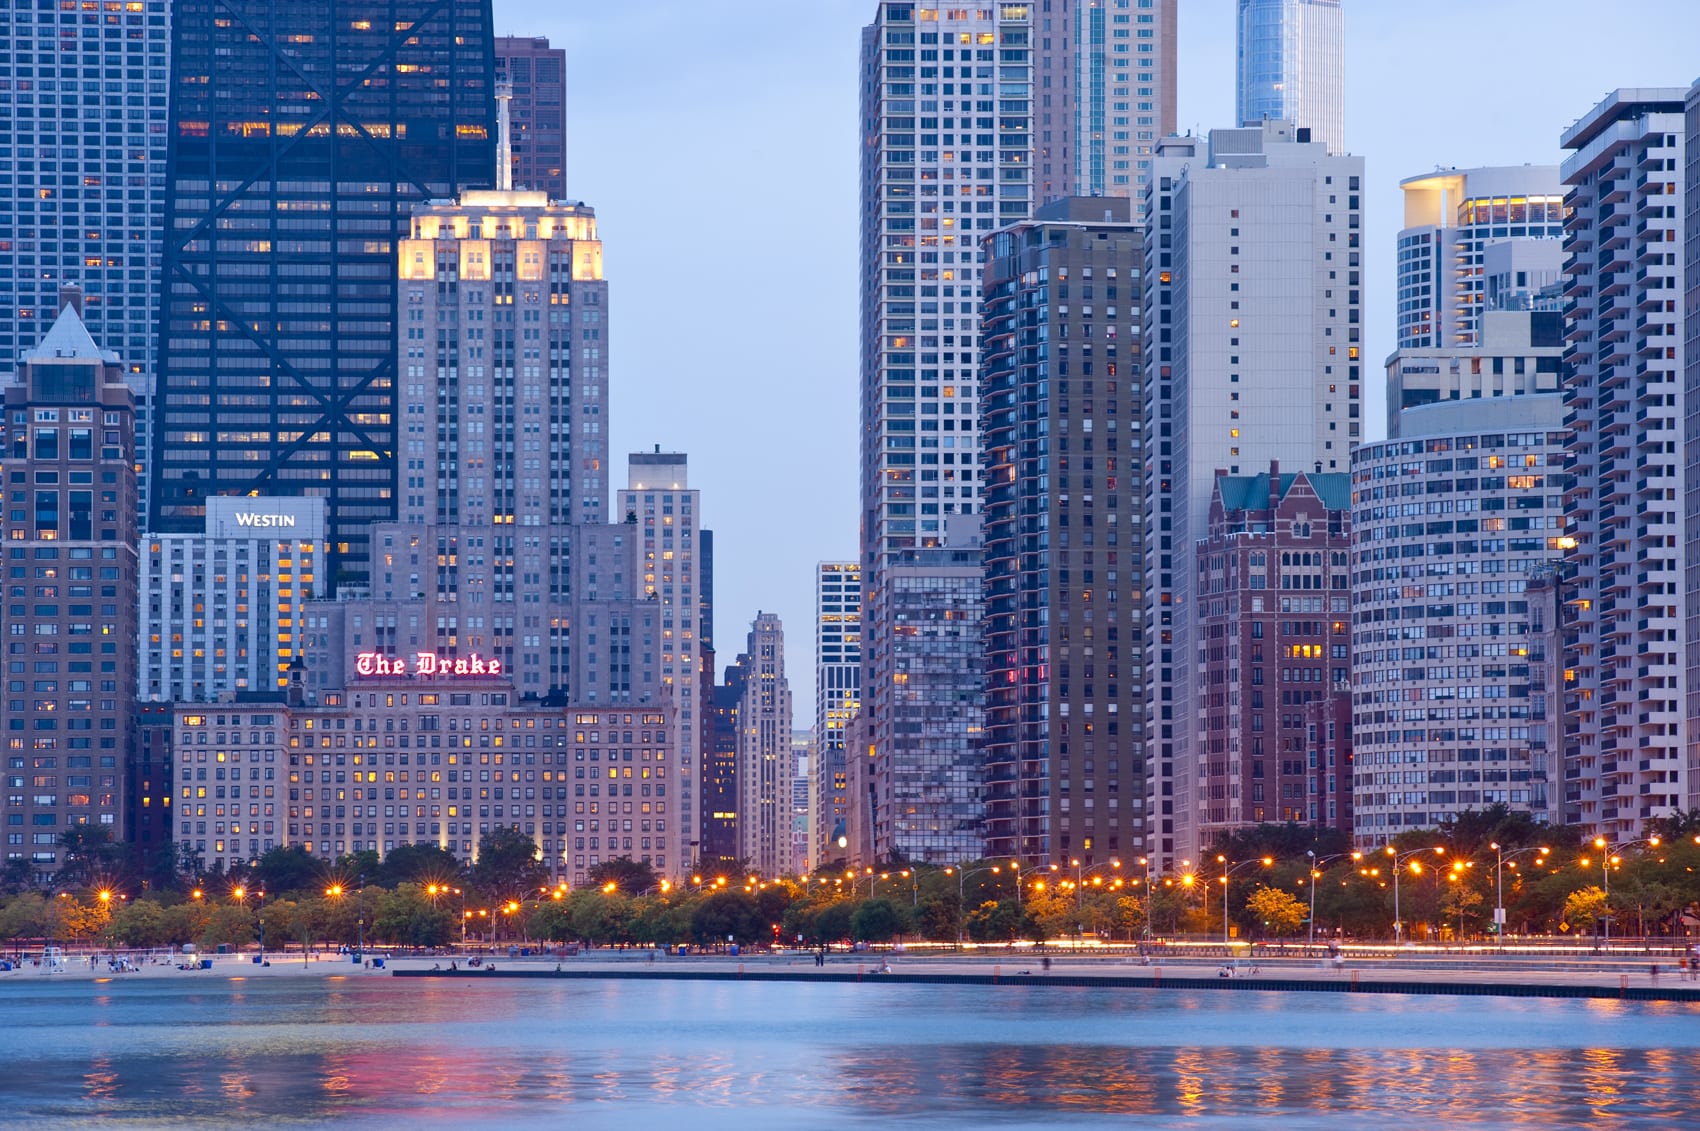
1399,859
1500,857
1267,861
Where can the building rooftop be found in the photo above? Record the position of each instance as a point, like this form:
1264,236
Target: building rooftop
69,339
1251,492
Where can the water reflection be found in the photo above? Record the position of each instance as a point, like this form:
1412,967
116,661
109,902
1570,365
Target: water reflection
383,1052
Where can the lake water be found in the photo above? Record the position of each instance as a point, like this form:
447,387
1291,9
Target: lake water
381,1052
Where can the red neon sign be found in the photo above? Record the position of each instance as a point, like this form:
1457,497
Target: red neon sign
427,664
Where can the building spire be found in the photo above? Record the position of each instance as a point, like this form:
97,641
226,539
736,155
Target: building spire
504,138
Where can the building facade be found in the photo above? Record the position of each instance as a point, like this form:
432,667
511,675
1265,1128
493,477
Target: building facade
1292,66
838,695
719,808
303,136
1516,352
1253,300
765,762
1691,431
1625,402
1274,595
223,610
802,854
1064,652
1451,217
537,74
1105,85
1451,521
412,757
915,768
70,611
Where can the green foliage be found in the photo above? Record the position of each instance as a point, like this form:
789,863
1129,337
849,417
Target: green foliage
508,864
418,864
1279,912
228,925
994,922
144,923
878,920
1288,841
1583,907
408,917
833,924
627,875
288,869
728,913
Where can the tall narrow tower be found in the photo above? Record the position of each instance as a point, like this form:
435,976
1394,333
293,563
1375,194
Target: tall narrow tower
1292,66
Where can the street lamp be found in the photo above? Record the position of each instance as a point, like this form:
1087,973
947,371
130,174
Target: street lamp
1315,875
1399,859
1227,871
962,894
1500,857
1608,857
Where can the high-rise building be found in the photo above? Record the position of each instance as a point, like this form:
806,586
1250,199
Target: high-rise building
719,824
1515,352
84,202
802,852
1691,428
1064,653
765,762
662,507
1253,273
1448,649
1275,629
300,141
1292,66
224,610
1452,216
1105,95
915,770
1627,761
537,73
838,694
69,433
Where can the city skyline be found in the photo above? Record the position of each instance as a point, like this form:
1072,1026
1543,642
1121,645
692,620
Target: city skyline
809,287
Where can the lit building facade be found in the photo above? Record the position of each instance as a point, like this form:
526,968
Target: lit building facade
838,695
1274,594
765,762
1253,276
802,842
1451,521
423,759
223,610
304,136
1292,66
1105,84
1452,216
1628,757
1691,429
86,203
69,432
1065,716
537,74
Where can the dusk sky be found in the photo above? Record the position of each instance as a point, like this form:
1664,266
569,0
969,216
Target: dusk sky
719,147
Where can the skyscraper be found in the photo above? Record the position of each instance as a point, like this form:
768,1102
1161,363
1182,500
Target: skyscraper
1452,216
1105,95
1627,646
1292,66
1691,427
1064,652
1253,275
538,76
766,765
69,432
838,694
86,130
300,139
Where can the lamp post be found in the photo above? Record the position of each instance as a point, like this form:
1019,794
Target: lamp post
1227,871
962,891
1315,875
1608,857
1500,857
1399,859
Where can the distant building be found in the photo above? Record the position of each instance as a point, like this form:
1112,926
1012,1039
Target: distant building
1691,402
1275,622
720,774
1446,645
1064,652
537,73
765,765
802,761
1515,353
1292,66
69,433
838,696
224,610
1452,217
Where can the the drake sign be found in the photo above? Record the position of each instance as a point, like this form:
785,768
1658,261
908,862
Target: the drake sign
427,664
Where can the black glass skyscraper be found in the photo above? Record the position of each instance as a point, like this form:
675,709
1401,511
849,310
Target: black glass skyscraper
301,137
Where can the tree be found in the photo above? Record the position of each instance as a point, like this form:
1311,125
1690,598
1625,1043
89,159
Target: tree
287,869
598,916
417,864
995,921
229,925
1460,901
627,875
508,863
17,877
833,923
1130,915
1583,908
877,921
142,923
726,914
1279,911
89,852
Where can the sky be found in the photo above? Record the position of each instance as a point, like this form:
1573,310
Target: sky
718,144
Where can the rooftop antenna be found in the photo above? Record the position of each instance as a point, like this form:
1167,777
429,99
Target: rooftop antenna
504,138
